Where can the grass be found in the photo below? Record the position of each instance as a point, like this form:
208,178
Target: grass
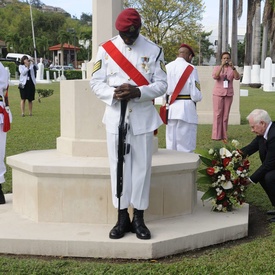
40,132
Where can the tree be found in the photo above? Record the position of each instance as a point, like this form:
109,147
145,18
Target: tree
170,23
16,24
42,44
269,26
220,34
63,37
86,18
205,49
13,42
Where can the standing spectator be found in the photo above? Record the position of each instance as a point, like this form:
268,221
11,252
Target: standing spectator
181,129
4,125
223,95
260,123
27,83
113,83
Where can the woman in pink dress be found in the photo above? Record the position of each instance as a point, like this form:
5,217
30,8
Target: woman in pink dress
223,92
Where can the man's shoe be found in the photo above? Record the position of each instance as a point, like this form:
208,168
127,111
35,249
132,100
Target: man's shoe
270,212
2,197
138,226
272,219
122,226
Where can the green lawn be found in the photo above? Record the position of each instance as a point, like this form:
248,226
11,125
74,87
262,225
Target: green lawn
40,132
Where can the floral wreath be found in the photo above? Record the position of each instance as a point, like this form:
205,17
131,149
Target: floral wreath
226,172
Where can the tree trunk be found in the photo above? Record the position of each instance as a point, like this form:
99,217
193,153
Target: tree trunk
264,44
225,26
257,34
248,43
256,45
234,39
220,34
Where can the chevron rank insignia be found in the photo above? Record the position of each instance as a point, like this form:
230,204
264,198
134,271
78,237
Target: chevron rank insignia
198,86
97,66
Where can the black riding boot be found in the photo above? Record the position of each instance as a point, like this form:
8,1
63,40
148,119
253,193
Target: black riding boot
122,226
139,227
2,197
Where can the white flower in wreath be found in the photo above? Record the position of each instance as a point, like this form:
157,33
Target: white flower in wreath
211,152
219,191
235,143
227,185
224,153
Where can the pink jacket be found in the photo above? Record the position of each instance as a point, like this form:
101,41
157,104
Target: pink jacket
218,89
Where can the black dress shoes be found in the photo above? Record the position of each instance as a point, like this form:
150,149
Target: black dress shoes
2,197
138,226
270,212
122,226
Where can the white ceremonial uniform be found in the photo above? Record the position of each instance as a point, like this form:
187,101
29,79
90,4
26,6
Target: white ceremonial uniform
181,130
142,116
4,82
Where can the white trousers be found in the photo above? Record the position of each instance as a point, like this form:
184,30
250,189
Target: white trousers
181,136
137,170
3,137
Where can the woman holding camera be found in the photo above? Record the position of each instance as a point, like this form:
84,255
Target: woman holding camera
27,83
223,92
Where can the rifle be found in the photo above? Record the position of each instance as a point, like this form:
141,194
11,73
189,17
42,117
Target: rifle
123,149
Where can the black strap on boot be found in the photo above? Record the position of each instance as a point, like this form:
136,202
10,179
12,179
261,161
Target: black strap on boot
139,227
122,226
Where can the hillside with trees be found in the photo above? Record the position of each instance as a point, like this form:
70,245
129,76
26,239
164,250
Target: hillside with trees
50,28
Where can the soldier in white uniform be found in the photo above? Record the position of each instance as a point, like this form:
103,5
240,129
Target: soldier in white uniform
181,129
4,82
112,84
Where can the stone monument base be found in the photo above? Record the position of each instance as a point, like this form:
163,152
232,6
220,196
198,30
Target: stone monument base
49,186
170,236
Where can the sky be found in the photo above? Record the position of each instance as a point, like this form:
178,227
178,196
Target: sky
210,17
73,7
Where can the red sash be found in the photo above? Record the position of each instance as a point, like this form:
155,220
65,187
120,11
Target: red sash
6,126
181,83
124,63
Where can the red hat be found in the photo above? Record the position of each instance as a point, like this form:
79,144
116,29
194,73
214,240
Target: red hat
128,21
188,47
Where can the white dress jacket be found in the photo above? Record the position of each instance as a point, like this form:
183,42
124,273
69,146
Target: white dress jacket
148,58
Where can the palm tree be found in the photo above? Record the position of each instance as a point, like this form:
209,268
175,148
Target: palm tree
13,42
225,26
234,38
63,37
248,42
220,34
256,45
42,45
269,28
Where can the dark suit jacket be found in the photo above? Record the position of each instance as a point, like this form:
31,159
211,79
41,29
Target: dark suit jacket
266,150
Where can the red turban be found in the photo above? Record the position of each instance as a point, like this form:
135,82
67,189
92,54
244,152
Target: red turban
128,21
188,47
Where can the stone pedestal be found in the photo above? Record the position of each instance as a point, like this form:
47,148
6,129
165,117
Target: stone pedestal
72,183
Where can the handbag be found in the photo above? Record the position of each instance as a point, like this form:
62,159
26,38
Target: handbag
164,110
21,86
